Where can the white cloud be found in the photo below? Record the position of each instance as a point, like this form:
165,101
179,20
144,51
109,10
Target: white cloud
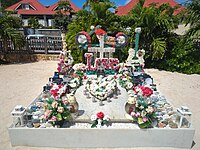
127,1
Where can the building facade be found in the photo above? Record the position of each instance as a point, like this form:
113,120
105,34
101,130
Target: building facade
32,8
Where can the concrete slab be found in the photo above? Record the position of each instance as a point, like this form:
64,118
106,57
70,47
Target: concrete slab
101,138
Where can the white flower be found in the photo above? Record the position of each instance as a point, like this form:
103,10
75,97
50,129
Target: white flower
150,109
106,117
93,118
129,85
132,114
143,114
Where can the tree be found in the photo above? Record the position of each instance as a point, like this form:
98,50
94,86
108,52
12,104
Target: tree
192,17
7,3
156,23
98,14
64,15
8,26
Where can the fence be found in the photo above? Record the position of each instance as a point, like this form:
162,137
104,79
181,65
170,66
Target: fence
36,44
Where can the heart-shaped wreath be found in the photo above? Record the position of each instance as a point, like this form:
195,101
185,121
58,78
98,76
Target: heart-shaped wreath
101,87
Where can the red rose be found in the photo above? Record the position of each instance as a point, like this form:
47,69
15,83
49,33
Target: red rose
100,115
58,69
147,91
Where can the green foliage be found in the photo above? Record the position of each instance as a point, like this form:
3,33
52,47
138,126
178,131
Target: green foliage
8,26
64,15
98,13
33,22
192,17
184,57
183,52
156,23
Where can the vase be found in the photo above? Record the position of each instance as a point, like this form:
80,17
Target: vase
130,105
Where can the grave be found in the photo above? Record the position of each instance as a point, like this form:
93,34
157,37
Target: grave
84,108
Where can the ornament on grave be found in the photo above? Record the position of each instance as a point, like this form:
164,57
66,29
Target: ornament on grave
83,38
184,117
136,56
18,115
66,59
130,105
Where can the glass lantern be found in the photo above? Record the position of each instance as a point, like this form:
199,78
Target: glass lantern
184,117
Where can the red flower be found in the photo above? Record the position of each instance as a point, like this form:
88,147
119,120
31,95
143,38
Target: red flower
146,91
58,69
100,115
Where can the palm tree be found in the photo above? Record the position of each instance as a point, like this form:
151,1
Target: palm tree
156,23
64,15
99,14
192,17
88,3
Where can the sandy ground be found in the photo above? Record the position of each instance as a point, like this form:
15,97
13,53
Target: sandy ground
21,83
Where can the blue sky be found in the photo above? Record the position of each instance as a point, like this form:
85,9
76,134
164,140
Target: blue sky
80,3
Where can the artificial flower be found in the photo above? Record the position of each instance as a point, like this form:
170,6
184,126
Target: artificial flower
54,118
150,109
54,104
100,115
60,109
93,117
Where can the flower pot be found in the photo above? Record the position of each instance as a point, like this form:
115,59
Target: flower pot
130,105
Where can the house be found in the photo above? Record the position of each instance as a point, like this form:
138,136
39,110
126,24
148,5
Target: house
124,10
32,8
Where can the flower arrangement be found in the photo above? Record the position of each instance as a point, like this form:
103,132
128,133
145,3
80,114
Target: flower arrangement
99,120
58,90
144,112
57,111
101,88
143,91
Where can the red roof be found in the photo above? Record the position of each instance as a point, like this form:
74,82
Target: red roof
39,8
123,10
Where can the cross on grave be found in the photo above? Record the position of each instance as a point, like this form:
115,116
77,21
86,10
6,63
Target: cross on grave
102,49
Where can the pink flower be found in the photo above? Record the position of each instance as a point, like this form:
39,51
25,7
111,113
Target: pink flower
145,119
65,102
54,118
47,114
133,114
58,69
137,114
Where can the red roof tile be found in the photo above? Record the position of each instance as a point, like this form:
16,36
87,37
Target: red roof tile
40,9
123,10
